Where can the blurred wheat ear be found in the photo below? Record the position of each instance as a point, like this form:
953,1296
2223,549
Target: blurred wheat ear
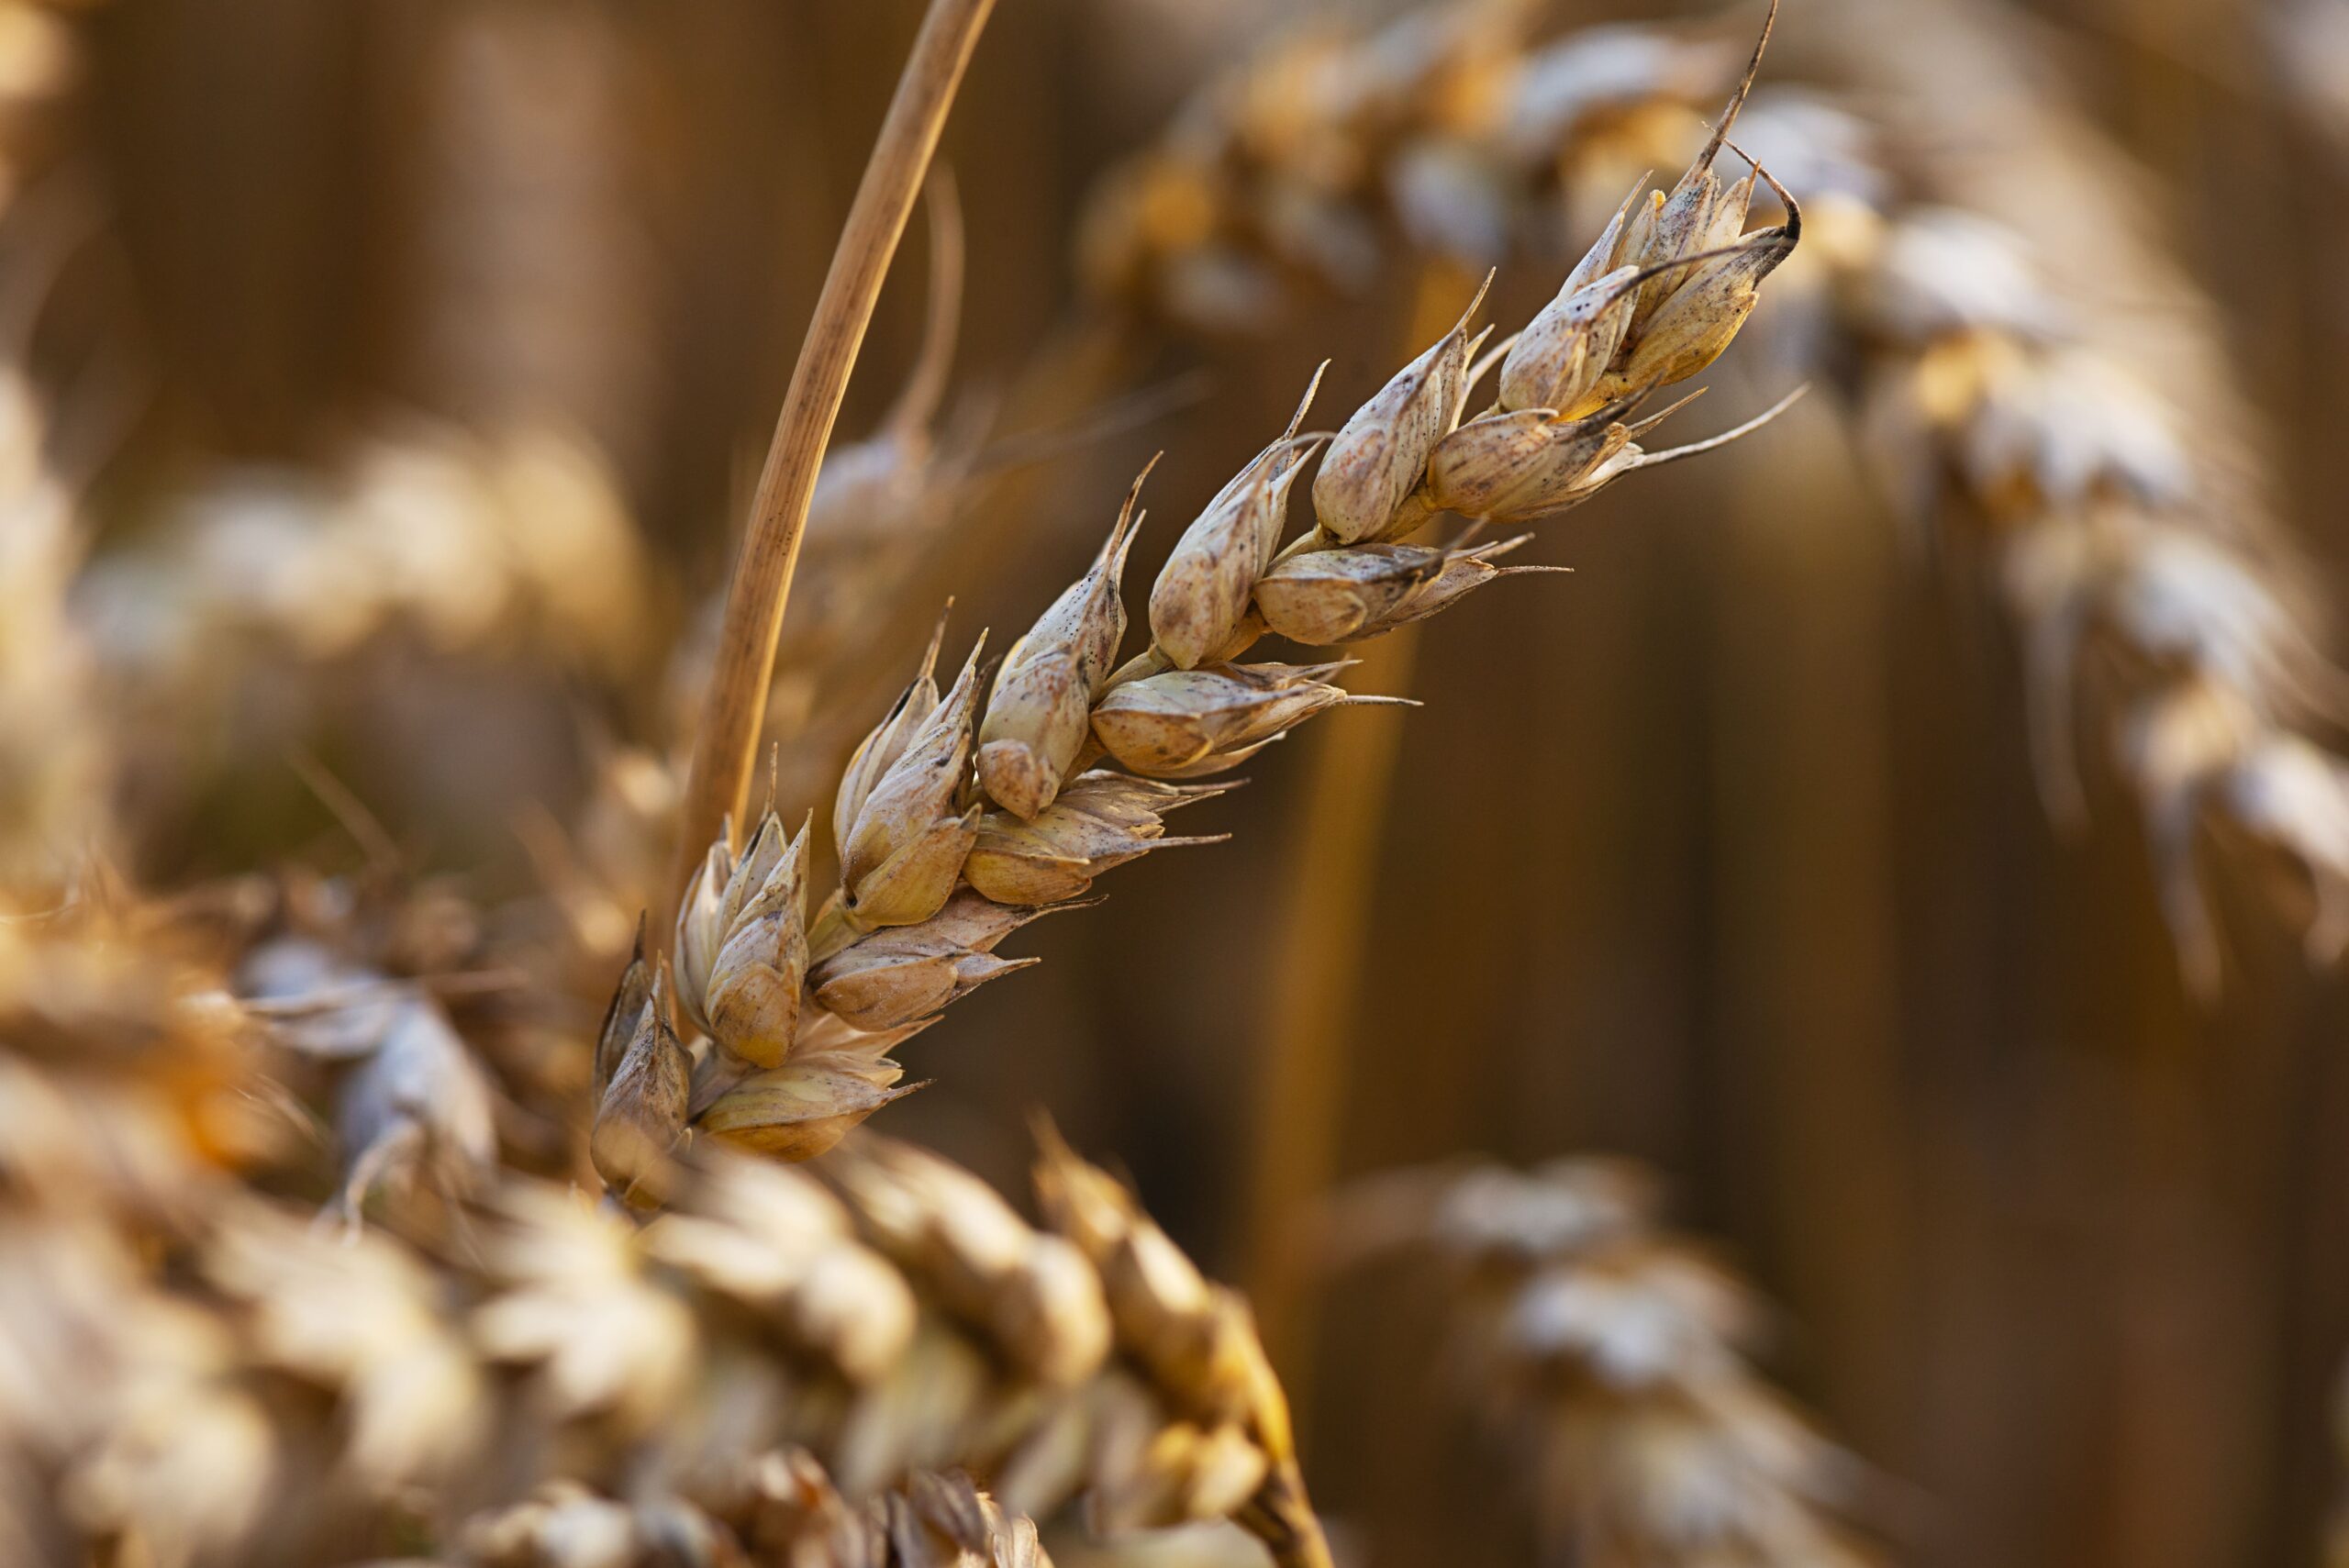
1607,1356
522,1375
2088,464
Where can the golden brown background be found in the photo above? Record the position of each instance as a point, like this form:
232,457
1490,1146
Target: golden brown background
1722,853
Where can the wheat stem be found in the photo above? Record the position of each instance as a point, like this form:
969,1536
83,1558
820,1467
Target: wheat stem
726,742
1309,1017
1324,927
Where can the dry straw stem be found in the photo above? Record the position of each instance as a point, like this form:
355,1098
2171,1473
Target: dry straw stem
969,811
210,1376
1612,1354
2087,460
719,787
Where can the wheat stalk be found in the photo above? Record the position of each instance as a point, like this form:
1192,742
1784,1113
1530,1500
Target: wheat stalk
2117,537
718,789
1612,1354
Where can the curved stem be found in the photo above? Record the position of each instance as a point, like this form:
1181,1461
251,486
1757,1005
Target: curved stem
726,743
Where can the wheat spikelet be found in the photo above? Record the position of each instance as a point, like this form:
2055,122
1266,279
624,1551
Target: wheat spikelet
2088,464
414,1103
1611,1354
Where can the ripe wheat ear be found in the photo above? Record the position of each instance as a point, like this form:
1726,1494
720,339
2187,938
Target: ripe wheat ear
967,812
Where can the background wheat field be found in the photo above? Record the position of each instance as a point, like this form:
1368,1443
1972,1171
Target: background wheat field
1886,904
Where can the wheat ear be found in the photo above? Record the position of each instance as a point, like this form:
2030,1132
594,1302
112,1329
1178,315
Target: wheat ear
957,821
964,817
1611,1354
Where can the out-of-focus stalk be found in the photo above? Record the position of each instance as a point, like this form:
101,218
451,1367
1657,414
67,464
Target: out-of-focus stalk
1324,929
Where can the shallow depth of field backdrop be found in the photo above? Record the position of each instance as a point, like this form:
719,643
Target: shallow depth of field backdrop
1723,853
